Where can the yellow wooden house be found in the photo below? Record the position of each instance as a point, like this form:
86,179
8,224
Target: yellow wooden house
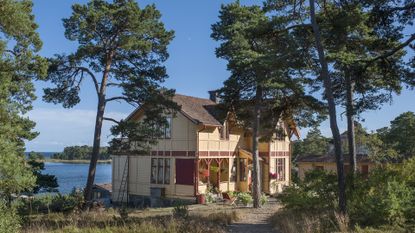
199,151
327,162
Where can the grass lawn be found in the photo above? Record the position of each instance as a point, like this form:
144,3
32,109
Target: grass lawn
212,218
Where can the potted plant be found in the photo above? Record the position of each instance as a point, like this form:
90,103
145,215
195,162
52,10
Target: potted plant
204,173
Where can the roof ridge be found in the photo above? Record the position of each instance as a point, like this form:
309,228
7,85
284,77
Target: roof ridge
196,97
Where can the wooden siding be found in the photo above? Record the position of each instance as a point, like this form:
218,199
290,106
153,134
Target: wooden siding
209,140
189,140
304,167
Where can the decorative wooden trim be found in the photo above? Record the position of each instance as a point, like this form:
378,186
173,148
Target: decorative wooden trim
263,154
280,153
191,153
203,153
207,154
178,153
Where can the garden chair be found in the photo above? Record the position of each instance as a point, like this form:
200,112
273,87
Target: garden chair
228,199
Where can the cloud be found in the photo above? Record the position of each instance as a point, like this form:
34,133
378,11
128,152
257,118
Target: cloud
67,127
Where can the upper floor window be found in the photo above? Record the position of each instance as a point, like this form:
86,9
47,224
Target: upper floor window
167,129
163,132
280,169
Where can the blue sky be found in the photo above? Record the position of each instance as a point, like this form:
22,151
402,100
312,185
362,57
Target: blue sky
193,69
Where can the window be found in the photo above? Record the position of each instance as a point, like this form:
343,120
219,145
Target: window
167,171
242,169
233,171
162,132
280,169
160,171
167,129
320,168
154,171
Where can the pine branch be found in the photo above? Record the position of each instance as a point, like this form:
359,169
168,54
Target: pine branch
117,98
393,51
94,79
111,119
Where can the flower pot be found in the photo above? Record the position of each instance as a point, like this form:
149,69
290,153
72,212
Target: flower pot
204,173
201,199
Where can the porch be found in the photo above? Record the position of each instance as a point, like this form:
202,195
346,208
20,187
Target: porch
229,174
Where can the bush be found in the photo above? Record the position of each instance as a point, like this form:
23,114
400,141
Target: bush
123,212
49,204
209,197
385,198
9,220
181,211
264,199
318,191
244,198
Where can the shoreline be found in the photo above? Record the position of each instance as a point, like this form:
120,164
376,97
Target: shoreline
77,161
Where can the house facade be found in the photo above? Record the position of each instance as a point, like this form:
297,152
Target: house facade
199,151
328,163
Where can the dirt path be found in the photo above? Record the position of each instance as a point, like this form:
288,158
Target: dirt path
256,220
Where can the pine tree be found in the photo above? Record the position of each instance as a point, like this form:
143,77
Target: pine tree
126,46
19,65
264,88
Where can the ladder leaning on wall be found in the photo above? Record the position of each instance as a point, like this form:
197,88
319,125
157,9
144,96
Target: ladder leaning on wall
123,189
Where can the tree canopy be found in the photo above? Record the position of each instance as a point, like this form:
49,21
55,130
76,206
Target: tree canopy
126,46
400,135
81,152
19,65
313,144
44,182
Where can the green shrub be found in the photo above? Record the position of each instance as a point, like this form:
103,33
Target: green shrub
9,220
244,198
123,212
264,199
318,191
209,197
181,211
49,204
385,198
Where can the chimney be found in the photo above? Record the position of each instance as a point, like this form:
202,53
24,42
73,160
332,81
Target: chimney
214,96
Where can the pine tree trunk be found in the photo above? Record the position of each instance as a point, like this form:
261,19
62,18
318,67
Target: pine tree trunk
95,148
256,192
351,138
332,110
98,128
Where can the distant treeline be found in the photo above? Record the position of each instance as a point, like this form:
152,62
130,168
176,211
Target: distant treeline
80,153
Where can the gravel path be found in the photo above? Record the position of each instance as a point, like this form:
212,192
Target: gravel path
256,220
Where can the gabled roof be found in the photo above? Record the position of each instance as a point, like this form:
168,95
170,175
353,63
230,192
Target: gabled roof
199,110
107,187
